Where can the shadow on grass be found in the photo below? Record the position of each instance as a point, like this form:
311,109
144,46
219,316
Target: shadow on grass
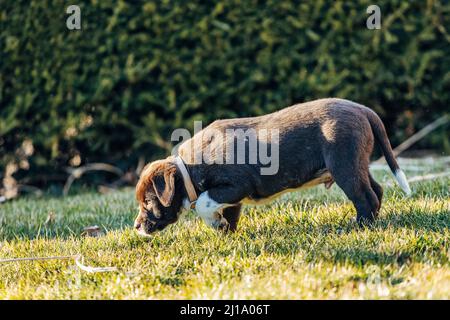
421,246
421,221
342,240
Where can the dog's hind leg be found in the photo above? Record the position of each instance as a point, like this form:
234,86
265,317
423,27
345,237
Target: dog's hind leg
353,178
360,192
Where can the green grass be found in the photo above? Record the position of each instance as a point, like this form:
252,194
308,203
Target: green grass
304,245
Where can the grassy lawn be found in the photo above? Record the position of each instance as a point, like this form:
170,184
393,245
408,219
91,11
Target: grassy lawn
304,245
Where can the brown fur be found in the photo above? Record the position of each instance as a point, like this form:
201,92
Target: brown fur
160,196
156,170
322,141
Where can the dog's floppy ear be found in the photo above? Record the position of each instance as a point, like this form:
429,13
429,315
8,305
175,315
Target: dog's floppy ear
164,185
160,176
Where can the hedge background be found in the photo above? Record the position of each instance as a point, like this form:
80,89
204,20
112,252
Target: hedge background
115,90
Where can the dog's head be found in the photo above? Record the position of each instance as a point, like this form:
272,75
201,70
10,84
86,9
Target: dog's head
160,195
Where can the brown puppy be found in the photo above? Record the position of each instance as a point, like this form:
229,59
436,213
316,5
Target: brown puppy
322,141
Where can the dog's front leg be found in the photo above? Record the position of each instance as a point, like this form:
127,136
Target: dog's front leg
210,211
210,204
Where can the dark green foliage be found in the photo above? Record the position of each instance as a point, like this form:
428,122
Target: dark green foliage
115,90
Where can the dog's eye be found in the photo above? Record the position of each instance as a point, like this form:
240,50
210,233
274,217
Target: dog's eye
150,197
152,211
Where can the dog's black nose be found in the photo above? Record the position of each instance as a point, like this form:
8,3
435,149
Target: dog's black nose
137,226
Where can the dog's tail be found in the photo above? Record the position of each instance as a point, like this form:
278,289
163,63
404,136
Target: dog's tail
381,138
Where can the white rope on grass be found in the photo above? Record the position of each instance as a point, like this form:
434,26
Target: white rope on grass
37,258
76,258
93,269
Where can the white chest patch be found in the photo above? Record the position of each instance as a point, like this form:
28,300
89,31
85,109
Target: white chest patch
208,209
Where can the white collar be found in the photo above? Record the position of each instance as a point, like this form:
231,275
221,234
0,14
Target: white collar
188,185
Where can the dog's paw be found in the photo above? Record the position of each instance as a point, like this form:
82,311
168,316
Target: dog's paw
221,224
224,225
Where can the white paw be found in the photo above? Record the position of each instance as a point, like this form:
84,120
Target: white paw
220,223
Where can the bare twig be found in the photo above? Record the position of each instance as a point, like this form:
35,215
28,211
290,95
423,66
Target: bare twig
43,177
159,141
140,166
418,135
129,177
38,192
78,172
